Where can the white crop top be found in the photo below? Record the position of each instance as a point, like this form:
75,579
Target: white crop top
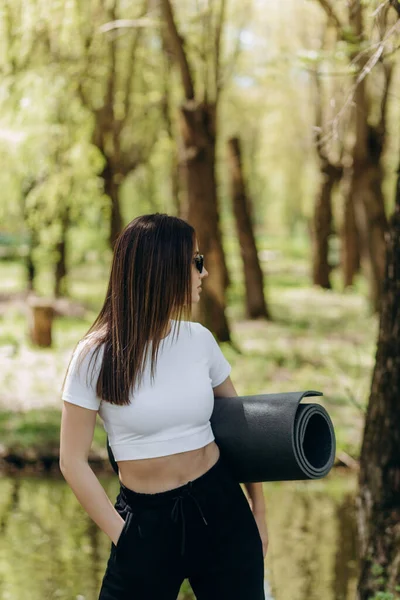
170,416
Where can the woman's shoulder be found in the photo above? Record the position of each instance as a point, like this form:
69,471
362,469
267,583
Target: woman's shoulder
188,330
199,332
87,348
194,327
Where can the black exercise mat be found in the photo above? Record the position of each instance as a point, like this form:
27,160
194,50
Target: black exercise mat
271,437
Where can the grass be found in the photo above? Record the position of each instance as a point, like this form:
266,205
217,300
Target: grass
37,432
317,339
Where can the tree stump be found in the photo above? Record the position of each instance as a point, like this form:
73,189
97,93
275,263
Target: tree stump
41,316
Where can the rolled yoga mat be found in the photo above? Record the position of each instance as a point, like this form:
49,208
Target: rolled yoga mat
271,437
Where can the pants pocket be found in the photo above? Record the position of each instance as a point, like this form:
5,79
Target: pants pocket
119,546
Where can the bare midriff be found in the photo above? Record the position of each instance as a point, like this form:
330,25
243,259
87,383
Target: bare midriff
152,475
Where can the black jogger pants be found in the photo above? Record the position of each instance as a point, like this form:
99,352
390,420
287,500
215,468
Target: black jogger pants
204,531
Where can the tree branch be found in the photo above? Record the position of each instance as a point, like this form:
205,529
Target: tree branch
111,80
131,68
332,16
177,47
217,54
139,23
388,71
205,54
318,116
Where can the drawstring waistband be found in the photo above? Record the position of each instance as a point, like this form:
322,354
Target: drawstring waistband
177,510
134,502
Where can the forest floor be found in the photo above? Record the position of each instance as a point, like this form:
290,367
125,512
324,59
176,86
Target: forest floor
317,339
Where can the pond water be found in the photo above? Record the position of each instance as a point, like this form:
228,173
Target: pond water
51,550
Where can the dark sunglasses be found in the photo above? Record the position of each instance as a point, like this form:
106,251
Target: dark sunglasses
199,262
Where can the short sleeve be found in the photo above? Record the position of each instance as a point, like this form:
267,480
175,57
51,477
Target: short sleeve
81,379
219,367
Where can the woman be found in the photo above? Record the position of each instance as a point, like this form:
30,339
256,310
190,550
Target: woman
152,375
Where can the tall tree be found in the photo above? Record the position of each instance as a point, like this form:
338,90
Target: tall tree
350,237
366,171
91,90
27,186
175,167
379,476
198,126
331,171
114,104
256,305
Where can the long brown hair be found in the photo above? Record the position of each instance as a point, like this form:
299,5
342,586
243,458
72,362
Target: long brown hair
150,283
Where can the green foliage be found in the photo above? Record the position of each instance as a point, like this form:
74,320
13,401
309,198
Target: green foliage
54,91
377,570
54,100
380,579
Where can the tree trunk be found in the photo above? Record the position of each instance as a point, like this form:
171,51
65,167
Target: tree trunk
322,228
350,245
175,167
27,186
198,130
197,122
60,276
30,265
175,187
366,184
253,275
371,221
378,501
111,189
60,273
31,271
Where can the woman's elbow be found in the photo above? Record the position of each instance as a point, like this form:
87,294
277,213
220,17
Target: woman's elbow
71,464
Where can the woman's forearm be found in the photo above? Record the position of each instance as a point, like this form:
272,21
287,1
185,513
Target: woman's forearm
256,494
93,498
